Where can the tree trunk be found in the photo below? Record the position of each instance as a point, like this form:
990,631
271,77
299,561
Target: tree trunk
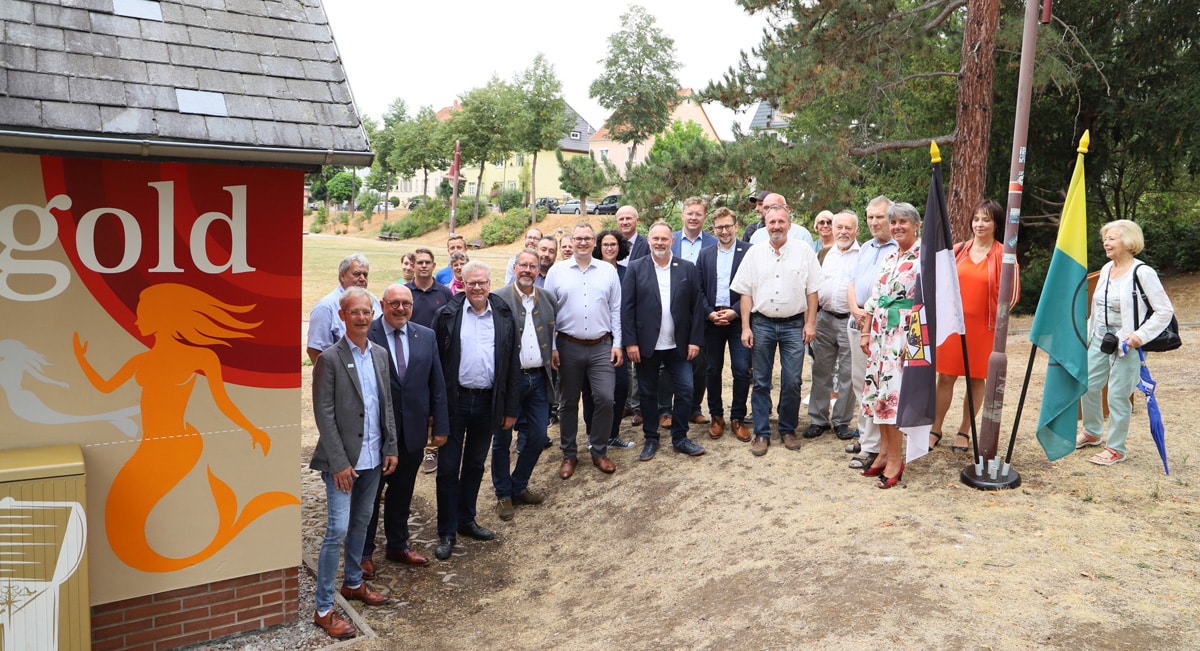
478,189
425,185
974,120
533,193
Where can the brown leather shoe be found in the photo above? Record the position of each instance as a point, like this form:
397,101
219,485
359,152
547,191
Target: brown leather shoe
335,626
567,468
406,556
791,441
637,419
605,465
760,445
365,594
717,428
699,419
368,568
741,431
664,421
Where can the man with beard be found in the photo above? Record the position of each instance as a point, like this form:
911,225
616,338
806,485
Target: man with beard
531,239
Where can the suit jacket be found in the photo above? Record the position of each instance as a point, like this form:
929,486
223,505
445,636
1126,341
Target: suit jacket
338,407
706,264
544,308
706,240
639,249
641,306
423,392
447,328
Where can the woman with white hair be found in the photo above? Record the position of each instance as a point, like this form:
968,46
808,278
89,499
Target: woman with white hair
1125,285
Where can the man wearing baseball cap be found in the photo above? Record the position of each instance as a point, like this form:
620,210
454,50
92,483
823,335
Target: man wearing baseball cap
760,208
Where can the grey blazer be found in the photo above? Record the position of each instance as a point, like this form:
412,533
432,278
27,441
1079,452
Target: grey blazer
544,309
338,407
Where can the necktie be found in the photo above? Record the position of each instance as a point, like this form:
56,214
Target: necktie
401,367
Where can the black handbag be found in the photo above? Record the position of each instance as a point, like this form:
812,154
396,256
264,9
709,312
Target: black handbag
1166,340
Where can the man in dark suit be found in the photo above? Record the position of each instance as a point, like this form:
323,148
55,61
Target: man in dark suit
687,244
477,338
627,221
419,400
533,313
356,445
662,317
717,266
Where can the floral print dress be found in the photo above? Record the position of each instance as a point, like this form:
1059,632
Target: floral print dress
892,295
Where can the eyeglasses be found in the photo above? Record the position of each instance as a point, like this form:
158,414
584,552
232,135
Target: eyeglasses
526,265
399,305
824,223
362,313
724,227
476,284
614,244
584,240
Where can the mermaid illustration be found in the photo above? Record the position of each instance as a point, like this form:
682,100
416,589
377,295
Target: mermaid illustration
18,360
183,322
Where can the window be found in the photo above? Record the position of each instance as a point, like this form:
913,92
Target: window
407,186
520,160
512,185
603,154
574,135
471,188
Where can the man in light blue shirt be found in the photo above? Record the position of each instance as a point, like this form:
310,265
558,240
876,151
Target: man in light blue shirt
687,244
324,326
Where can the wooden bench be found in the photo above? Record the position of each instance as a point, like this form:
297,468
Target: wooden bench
475,244
389,237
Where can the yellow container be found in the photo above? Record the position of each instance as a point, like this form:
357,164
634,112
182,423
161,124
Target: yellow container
44,600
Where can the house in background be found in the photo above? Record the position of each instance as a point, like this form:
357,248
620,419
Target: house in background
511,174
604,147
768,119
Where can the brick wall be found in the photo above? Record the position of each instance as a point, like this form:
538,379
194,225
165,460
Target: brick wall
197,614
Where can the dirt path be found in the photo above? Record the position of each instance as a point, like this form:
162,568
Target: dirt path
794,550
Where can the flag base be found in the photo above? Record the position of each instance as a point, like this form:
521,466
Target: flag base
999,476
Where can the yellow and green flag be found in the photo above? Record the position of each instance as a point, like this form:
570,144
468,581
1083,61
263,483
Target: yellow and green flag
1061,320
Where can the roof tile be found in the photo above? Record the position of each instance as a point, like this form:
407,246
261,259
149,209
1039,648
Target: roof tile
324,71
238,61
17,10
188,126
293,11
76,117
248,106
313,91
260,45
296,49
265,87
219,81
289,110
96,91
37,85
3,81
151,97
179,76
120,119
34,36
115,25
165,32
21,112
95,5
62,63
279,132
250,7
283,67
50,16
18,58
142,50
200,57
193,16
230,129
131,70
89,43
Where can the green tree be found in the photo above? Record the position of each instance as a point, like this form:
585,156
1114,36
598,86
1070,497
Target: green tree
420,145
544,117
382,177
343,186
318,183
485,127
638,84
582,177
866,78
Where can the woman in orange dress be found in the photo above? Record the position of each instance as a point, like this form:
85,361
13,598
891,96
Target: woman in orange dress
979,265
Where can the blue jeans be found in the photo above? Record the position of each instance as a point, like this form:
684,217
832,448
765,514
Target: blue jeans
679,372
789,339
461,461
716,338
535,416
347,515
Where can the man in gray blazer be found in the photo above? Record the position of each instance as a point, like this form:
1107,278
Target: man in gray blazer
533,311
357,444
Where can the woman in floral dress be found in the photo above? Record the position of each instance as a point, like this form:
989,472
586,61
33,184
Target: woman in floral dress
885,340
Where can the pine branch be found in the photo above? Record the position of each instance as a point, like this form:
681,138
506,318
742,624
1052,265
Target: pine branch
893,145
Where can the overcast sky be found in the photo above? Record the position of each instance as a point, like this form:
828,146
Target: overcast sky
429,53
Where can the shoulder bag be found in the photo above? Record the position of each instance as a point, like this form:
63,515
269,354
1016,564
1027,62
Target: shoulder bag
1166,340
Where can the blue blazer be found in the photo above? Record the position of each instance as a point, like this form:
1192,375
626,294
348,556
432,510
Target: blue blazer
423,393
641,306
706,240
706,264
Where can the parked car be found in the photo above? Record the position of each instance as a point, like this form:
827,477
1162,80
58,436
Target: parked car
417,201
608,205
549,203
571,207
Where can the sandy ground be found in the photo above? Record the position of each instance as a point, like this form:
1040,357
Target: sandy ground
794,550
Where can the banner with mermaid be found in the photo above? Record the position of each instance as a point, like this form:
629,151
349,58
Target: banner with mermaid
149,313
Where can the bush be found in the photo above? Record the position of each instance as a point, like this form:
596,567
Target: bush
320,221
421,220
510,199
505,228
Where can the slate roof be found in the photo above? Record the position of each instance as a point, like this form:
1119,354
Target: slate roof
766,117
233,80
585,134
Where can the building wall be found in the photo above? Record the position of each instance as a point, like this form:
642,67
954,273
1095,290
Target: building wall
687,110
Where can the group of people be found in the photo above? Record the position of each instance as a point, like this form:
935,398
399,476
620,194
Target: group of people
426,375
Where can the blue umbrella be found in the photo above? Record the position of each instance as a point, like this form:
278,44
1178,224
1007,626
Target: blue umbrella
1147,385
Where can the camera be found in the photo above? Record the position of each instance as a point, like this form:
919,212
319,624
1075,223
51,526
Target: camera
1108,345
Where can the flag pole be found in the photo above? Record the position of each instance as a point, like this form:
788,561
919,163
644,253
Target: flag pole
1012,439
985,472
